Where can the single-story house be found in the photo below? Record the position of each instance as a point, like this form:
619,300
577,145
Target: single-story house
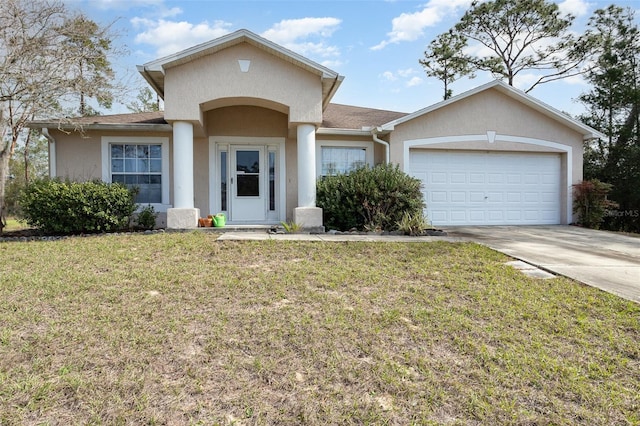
249,127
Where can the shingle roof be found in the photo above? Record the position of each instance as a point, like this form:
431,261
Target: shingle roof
336,116
133,118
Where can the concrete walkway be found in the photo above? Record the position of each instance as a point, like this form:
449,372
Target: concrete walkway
606,260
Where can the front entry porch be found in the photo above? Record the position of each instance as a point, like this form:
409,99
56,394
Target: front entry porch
247,179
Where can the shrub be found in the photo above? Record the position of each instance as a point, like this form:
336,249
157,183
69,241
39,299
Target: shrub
146,218
591,203
58,207
369,198
413,224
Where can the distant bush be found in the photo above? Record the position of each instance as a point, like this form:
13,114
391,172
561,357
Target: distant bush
58,207
590,202
369,198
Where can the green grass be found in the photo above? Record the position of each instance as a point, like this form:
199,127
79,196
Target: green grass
184,329
14,225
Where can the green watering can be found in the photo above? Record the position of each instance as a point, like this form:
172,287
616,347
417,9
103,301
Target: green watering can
219,220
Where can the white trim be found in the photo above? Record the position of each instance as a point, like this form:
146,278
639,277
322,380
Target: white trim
164,143
368,146
218,142
568,150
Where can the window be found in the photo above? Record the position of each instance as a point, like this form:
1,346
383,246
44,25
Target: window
342,159
138,162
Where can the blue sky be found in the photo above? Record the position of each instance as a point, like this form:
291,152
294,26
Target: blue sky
376,45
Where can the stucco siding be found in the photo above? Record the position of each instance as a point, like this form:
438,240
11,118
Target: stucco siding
219,76
488,110
78,158
246,121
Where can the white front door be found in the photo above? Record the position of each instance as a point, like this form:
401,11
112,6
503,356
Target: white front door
248,184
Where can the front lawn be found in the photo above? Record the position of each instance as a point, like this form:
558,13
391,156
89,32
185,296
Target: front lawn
183,329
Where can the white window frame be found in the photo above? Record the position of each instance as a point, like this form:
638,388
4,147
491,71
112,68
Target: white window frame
368,147
107,141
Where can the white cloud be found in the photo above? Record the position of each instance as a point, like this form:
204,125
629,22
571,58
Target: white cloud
172,36
388,75
406,77
306,36
406,73
410,26
415,81
574,7
290,30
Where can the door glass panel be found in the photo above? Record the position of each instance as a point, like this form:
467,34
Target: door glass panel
223,181
272,181
248,173
248,186
248,161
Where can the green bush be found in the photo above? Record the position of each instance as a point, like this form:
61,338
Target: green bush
369,198
58,207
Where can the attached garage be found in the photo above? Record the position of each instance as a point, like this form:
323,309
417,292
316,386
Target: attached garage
488,187
492,156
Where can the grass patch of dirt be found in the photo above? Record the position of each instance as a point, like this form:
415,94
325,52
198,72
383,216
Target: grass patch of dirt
183,329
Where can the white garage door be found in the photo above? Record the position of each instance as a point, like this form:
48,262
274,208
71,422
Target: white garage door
479,188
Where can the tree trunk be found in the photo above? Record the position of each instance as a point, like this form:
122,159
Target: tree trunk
4,175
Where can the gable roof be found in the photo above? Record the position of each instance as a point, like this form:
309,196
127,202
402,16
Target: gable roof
153,72
518,95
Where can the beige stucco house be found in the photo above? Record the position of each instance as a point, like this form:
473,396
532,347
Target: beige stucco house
249,127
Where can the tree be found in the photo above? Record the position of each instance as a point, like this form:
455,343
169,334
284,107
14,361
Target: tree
520,36
444,59
36,75
146,101
29,162
87,46
612,40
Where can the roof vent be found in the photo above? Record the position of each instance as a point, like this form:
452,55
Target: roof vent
244,64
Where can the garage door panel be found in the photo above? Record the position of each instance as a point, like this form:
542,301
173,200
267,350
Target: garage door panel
496,216
476,197
477,216
476,178
466,187
494,197
458,197
438,196
459,216
439,178
514,197
439,216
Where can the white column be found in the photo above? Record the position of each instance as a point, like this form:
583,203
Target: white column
307,214
182,165
306,165
183,215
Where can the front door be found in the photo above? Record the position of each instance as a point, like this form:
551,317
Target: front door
248,184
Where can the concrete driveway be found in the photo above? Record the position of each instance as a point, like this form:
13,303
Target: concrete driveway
606,260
